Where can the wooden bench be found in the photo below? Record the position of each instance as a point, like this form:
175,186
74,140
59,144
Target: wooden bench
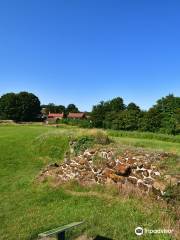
60,231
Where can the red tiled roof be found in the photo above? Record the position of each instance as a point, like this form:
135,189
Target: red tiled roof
76,115
55,115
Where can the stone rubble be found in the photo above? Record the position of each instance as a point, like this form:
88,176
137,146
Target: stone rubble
136,167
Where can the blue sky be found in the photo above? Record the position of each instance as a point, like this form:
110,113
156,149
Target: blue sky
84,51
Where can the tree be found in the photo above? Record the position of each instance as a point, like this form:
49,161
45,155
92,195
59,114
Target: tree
108,121
118,122
177,119
28,106
98,114
8,106
130,119
168,108
150,121
61,109
72,108
133,106
23,106
167,104
116,104
52,108
104,112
169,124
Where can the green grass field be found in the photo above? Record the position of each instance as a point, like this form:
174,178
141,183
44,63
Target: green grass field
28,208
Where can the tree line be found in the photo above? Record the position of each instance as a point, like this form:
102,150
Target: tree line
52,108
26,106
163,117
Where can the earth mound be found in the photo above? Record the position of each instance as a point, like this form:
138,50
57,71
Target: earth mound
135,167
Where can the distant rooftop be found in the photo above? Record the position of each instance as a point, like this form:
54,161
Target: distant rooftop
55,115
76,115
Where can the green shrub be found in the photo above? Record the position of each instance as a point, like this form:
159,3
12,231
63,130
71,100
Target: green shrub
172,194
83,123
94,137
83,143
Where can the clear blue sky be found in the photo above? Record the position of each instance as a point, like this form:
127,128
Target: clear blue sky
84,51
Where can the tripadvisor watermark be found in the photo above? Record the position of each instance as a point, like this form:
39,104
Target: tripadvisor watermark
140,231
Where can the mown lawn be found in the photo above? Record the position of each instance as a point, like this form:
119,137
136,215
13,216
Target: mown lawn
28,208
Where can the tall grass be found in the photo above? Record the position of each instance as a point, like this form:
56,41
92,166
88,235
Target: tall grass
145,135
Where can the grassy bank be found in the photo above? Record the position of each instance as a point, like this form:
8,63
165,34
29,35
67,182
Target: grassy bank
28,208
145,135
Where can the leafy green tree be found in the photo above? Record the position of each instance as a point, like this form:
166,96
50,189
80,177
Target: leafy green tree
61,109
104,112
150,121
98,115
52,108
116,104
124,120
168,108
109,118
23,106
167,104
168,123
28,106
130,119
8,106
177,120
118,122
72,108
133,106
